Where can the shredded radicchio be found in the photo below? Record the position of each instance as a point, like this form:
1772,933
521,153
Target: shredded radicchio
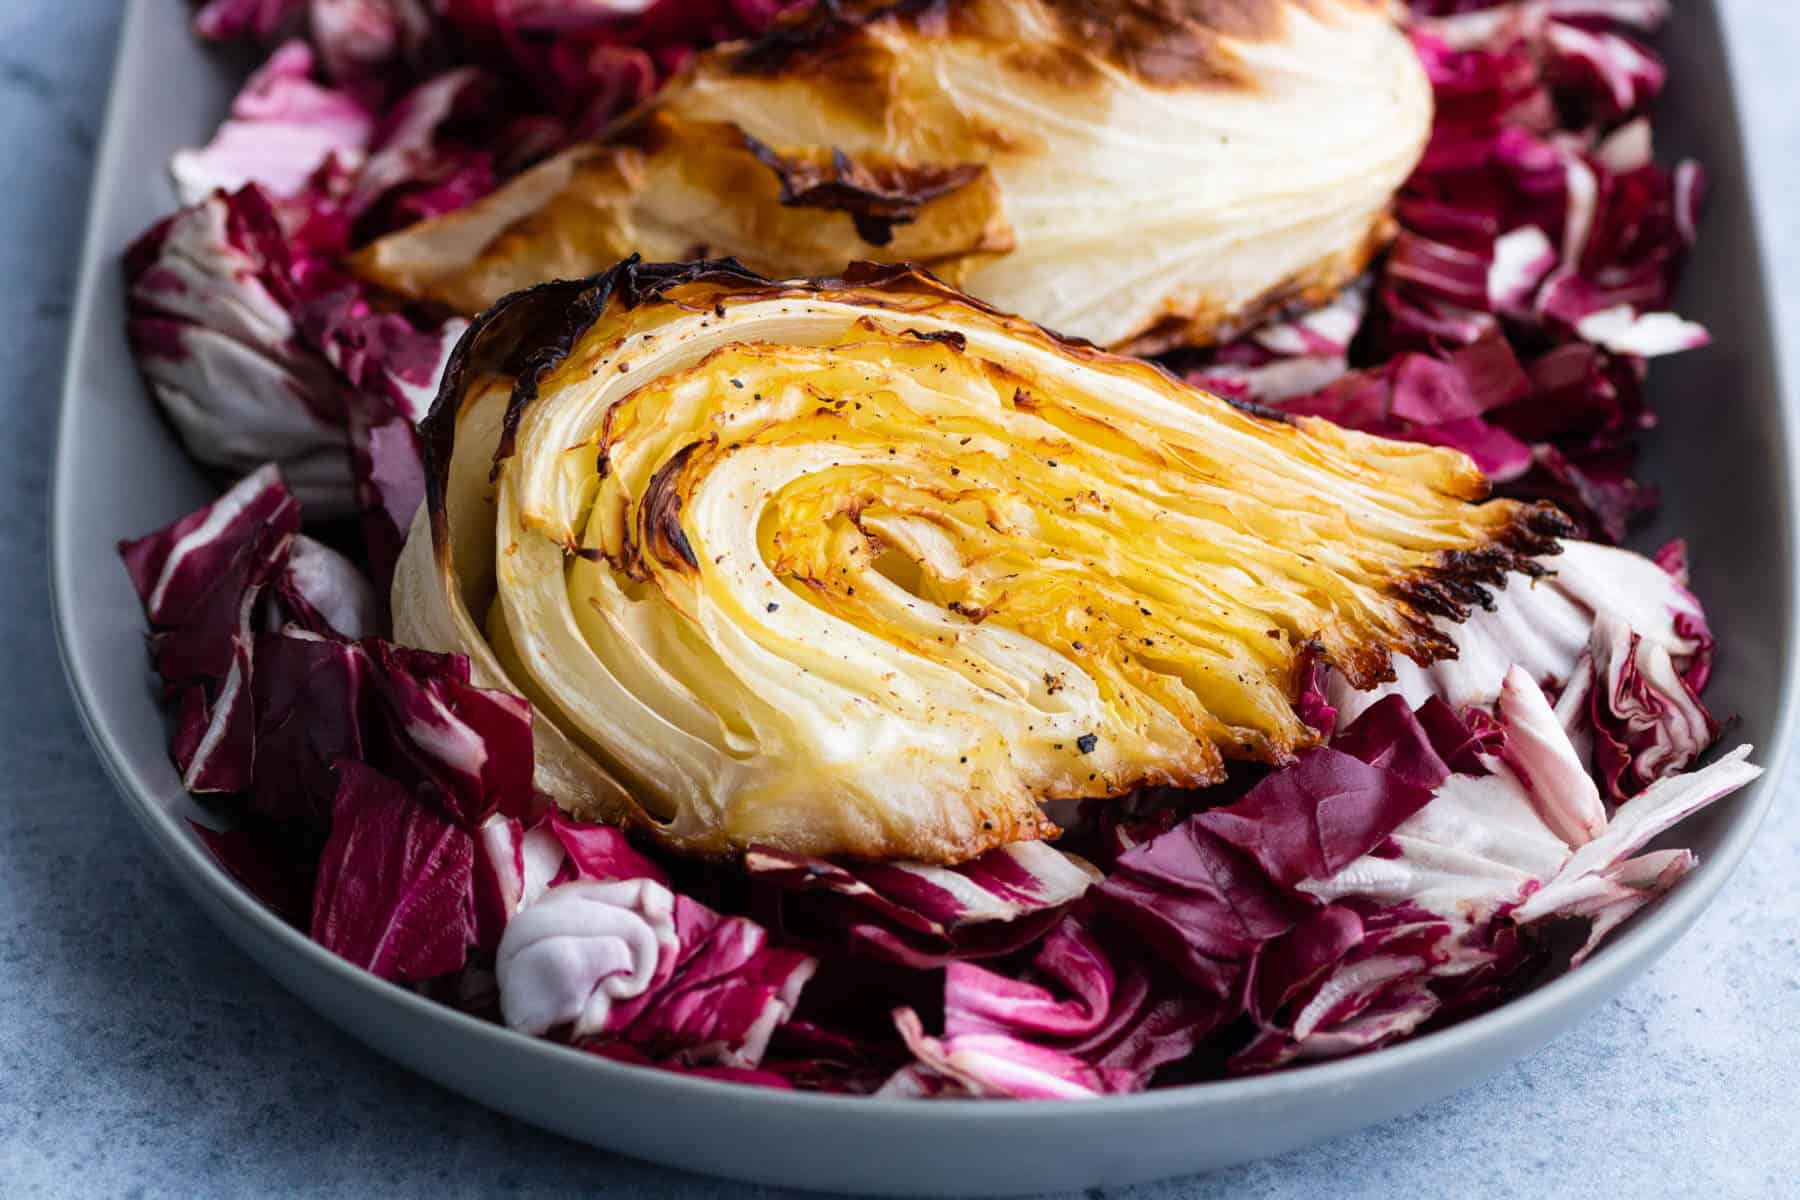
1406,872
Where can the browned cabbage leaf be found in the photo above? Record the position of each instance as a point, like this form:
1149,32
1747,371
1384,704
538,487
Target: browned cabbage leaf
861,566
1142,174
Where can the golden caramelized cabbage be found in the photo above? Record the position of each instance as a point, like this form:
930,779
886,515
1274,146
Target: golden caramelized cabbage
861,566
1144,173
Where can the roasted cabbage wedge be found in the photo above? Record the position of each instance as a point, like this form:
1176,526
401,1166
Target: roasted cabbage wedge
863,567
1143,174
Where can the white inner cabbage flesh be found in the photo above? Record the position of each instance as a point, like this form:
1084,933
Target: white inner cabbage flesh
804,576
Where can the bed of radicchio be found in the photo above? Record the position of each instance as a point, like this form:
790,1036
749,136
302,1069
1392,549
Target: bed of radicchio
1459,834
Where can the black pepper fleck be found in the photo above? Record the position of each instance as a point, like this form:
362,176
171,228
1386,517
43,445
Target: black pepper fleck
1086,743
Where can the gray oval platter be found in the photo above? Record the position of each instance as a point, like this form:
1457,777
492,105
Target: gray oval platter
1724,456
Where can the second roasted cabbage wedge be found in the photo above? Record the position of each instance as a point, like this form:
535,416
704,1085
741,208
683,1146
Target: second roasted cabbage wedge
1141,174
860,566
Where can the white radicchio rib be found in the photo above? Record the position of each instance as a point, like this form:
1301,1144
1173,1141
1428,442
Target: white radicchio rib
1535,844
1526,843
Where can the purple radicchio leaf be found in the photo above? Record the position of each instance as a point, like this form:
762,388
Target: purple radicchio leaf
270,864
200,580
393,888
471,746
411,713
1442,401
1345,982
516,861
259,348
310,701
323,592
1098,1005
1538,213
364,44
282,129
1210,894
224,20
1527,841
210,299
919,915
630,961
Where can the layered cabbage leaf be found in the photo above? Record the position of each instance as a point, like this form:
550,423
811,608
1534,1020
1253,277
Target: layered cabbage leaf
1143,174
861,566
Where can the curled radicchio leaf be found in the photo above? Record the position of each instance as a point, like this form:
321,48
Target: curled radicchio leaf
630,961
257,355
569,956
1350,983
1429,922
1489,846
1648,718
994,1065
515,863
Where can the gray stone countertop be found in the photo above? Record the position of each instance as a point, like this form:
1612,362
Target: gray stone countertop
140,1055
